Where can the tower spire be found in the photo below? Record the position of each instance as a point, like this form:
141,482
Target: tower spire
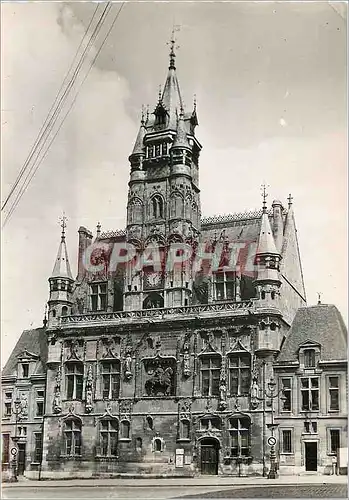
61,268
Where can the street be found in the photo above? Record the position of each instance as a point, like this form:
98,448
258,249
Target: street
177,491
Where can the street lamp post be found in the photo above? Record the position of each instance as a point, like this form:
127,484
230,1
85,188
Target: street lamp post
16,411
272,394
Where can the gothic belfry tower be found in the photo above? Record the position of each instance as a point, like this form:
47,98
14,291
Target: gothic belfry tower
163,201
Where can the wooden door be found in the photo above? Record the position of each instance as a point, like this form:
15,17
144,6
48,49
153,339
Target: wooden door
209,458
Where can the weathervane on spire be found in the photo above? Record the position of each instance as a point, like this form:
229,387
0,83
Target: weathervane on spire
63,224
172,42
264,196
290,199
319,297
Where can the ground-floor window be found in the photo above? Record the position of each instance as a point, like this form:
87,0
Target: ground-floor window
239,430
37,447
72,434
109,437
334,440
5,452
286,440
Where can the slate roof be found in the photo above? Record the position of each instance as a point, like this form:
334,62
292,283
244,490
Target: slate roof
322,323
33,341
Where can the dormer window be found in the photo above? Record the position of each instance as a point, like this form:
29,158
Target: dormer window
25,370
224,285
309,358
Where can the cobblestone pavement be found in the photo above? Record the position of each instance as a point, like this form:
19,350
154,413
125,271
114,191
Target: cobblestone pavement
279,491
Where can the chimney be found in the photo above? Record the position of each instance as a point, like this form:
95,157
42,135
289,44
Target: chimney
85,239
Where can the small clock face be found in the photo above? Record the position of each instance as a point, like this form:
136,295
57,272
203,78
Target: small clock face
153,279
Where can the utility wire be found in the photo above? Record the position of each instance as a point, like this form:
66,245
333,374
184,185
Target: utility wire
44,126
23,189
60,105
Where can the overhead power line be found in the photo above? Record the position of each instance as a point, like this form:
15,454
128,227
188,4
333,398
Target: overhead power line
47,119
34,168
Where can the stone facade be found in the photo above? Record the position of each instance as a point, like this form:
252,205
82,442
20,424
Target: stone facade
165,370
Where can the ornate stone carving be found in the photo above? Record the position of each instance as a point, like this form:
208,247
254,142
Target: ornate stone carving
186,359
89,390
161,375
110,347
184,410
75,350
24,404
57,404
128,360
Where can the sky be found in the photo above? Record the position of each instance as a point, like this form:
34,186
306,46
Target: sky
270,81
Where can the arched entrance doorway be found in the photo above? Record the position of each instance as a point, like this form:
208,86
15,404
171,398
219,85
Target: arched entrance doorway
209,456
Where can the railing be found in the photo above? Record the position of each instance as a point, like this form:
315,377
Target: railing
160,313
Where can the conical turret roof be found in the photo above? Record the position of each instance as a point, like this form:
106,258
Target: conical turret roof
266,243
139,144
171,97
61,269
181,139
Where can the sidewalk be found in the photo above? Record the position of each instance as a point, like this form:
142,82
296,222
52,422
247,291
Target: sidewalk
178,482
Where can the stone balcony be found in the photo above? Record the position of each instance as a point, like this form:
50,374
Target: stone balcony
200,311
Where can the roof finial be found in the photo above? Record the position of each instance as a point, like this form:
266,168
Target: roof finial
142,115
98,229
63,225
45,317
290,199
147,114
172,45
194,101
264,196
319,298
160,94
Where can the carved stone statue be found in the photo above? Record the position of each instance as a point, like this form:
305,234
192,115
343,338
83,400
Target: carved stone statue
128,365
160,382
57,405
89,389
222,395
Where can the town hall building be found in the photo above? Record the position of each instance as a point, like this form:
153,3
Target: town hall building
184,343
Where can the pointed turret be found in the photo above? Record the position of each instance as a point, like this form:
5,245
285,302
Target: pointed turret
61,269
181,139
171,98
267,255
61,282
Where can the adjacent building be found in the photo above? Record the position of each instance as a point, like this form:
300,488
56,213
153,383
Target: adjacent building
157,357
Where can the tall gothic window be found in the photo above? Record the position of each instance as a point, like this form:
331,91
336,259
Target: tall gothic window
74,379
98,295
135,211
72,435
109,437
239,374
110,379
210,368
177,206
224,285
157,207
239,430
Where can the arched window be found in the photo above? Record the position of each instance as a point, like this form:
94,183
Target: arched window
263,295
53,313
125,429
239,374
109,437
272,295
157,207
239,430
64,310
210,368
184,429
135,211
188,213
157,444
153,301
150,422
72,437
262,325
209,423
273,326
74,373
177,206
139,443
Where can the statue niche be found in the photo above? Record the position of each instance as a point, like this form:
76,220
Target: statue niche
160,376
